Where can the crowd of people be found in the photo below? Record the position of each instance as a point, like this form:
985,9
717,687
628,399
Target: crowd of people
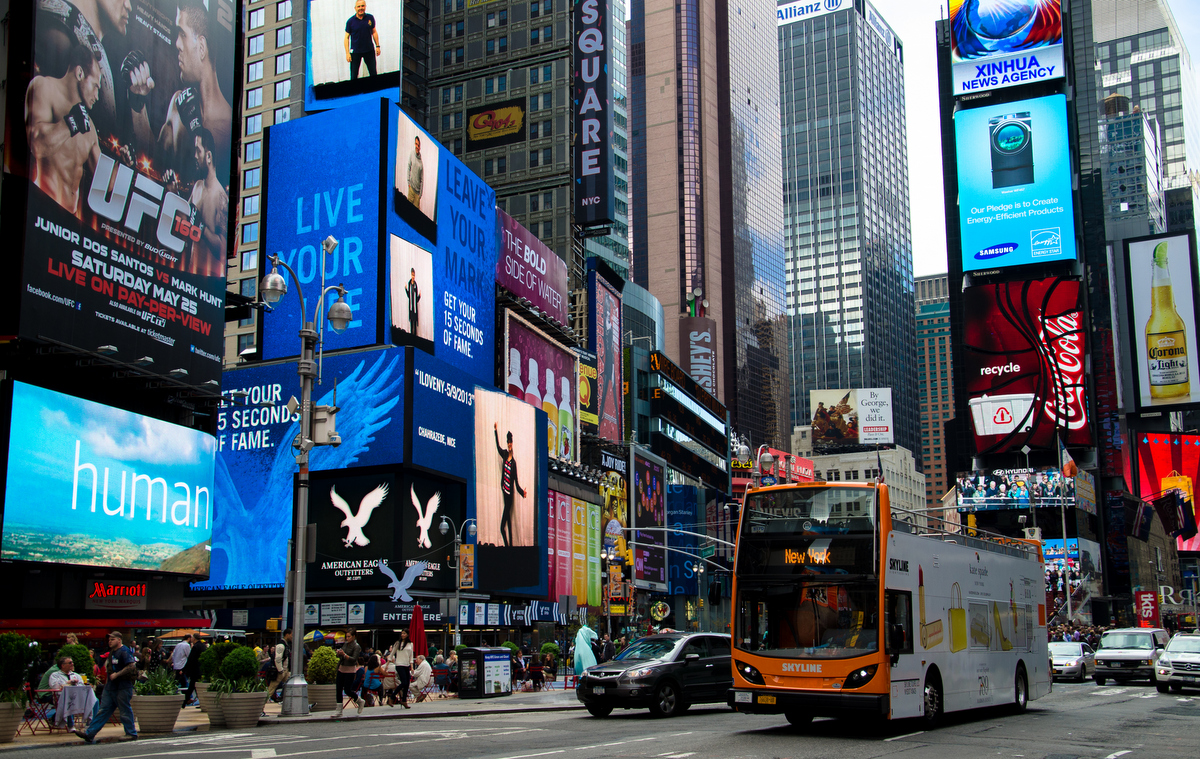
1014,488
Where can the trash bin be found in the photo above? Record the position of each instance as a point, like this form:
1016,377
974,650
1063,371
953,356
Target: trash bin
484,672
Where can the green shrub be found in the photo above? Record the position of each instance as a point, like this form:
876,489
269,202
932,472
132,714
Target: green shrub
511,647
159,681
552,649
17,654
81,655
210,660
322,667
238,663
459,648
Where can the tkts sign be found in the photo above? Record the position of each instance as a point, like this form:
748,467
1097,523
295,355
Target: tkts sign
593,112
1025,351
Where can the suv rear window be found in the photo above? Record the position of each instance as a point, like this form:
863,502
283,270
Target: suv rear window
1126,640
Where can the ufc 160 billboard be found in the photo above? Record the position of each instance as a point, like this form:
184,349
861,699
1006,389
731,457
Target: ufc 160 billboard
125,142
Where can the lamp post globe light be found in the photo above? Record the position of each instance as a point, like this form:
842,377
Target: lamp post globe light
446,525
272,289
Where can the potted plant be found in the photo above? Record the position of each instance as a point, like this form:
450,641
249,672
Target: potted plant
210,667
157,701
17,654
321,675
241,692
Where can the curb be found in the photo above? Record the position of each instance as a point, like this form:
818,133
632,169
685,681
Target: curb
14,746
483,710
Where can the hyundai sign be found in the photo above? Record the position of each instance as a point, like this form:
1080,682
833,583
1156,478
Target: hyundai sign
1005,44
1014,184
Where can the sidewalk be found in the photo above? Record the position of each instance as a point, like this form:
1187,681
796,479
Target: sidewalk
192,719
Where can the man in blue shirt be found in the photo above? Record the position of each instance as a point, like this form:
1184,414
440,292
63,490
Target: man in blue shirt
360,34
120,669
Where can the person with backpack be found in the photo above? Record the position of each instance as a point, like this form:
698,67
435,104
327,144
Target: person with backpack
282,661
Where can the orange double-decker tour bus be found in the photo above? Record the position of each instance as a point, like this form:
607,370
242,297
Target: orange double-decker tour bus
844,606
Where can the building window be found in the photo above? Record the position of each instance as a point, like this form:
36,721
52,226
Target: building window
533,159
447,57
491,20
504,44
254,97
254,151
283,10
504,17
251,178
254,71
547,229
547,201
258,18
283,114
445,121
533,203
283,37
250,205
249,260
534,36
245,343
283,63
458,146
489,167
283,90
254,124
255,45
547,156
491,47
460,54
533,134
548,34
249,232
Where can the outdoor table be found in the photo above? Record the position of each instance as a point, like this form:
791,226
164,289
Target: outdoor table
74,700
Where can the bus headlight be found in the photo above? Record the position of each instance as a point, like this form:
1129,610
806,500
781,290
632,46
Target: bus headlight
751,674
860,676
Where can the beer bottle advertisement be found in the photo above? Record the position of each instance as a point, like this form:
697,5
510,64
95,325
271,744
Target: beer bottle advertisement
1161,279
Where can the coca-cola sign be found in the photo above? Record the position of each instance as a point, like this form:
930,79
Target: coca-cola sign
1024,364
496,124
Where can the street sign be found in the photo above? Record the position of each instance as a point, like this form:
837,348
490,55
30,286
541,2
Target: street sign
708,551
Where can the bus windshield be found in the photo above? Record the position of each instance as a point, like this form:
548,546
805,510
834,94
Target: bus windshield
818,619
814,510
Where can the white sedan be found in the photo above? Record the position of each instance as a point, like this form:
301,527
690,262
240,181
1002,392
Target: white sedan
1071,660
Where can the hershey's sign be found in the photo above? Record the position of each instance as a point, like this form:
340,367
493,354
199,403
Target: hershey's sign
699,335
593,113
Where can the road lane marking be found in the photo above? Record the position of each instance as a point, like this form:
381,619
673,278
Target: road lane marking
262,753
899,737
1115,754
1109,692
1149,695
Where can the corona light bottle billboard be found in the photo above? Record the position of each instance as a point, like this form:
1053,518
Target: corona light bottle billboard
1166,334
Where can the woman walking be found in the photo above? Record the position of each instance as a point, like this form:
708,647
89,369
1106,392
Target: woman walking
401,653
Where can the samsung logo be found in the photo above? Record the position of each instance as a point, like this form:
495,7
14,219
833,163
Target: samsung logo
996,251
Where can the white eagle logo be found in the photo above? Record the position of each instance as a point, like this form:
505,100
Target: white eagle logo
354,523
425,517
400,587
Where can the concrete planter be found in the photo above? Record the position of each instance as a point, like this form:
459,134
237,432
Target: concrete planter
242,710
200,688
157,714
210,706
10,720
323,697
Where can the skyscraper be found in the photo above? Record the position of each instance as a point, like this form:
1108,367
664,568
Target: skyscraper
707,212
934,384
847,233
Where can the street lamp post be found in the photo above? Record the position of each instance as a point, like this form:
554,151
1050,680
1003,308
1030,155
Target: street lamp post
445,526
272,288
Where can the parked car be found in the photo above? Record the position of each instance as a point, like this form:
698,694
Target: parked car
1129,653
1179,665
666,673
1071,660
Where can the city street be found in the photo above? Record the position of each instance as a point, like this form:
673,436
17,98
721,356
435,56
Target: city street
1075,721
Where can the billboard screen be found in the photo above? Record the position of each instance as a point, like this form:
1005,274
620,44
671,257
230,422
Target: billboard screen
63,503
605,342
1160,273
1169,462
682,508
444,217
650,558
542,373
496,124
994,489
443,416
128,169
529,269
349,52
614,491
304,207
1015,206
1005,44
846,418
253,496
1024,365
592,63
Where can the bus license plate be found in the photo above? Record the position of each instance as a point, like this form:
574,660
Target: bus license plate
598,690
766,699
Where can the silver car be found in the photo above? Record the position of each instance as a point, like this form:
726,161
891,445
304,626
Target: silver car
1179,665
1074,661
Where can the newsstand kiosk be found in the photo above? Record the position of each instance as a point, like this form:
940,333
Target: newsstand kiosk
484,672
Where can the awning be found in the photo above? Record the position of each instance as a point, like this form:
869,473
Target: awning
99,626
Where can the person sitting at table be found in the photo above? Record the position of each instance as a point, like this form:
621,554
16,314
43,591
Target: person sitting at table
66,675
422,673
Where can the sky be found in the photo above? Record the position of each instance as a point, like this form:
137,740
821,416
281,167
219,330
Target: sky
913,21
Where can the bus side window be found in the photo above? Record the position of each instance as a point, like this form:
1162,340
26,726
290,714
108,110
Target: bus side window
898,604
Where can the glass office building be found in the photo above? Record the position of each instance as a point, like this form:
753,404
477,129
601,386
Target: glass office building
847,233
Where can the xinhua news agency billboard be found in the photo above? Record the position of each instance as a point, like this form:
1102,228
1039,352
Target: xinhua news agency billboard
127,217
94,485
1014,184
997,44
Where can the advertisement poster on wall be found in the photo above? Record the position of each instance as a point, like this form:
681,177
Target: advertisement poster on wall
1171,462
443,416
1005,44
529,269
356,517
592,64
349,53
542,372
1015,489
127,215
844,418
1017,207
255,463
605,342
589,420
579,551
495,125
1161,277
681,518
305,207
62,500
614,490
1024,365
650,558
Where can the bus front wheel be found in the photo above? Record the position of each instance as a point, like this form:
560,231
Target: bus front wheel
933,699
1021,690
798,718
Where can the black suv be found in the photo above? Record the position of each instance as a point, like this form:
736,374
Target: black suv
667,673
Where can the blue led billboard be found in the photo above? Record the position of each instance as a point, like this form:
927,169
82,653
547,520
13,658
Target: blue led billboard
681,519
1014,184
441,253
324,178
256,461
443,413
94,485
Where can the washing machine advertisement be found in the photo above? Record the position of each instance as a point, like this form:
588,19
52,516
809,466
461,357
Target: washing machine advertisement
1015,204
